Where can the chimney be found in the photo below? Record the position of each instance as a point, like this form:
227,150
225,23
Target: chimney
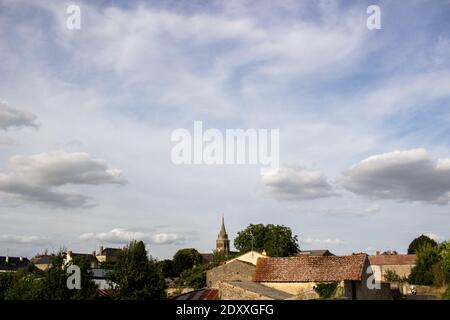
101,250
7,259
378,253
93,253
264,253
69,253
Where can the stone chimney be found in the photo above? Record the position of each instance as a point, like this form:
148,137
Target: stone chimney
69,253
101,250
378,253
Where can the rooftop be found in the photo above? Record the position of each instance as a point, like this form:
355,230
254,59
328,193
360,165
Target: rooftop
310,268
260,289
399,259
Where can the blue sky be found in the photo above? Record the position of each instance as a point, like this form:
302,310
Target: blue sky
86,117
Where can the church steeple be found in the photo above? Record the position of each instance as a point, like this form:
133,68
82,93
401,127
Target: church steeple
222,242
222,233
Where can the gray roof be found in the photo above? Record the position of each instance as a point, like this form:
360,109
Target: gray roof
260,289
323,252
13,264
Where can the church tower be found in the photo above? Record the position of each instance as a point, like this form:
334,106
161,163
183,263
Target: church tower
222,242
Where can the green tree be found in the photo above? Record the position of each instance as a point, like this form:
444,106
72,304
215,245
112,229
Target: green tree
24,286
137,277
427,257
6,279
195,277
55,280
167,268
88,286
185,259
276,240
420,242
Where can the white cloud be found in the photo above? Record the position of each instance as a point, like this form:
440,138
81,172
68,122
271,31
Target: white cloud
435,236
39,178
322,241
10,117
23,239
296,183
409,175
122,236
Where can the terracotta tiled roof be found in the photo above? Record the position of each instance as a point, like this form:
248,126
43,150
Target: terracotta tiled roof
310,268
396,259
202,294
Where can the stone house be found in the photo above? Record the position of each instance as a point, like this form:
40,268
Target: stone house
300,275
249,290
236,270
401,264
42,262
108,254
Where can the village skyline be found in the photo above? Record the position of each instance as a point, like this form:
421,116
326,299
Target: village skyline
91,94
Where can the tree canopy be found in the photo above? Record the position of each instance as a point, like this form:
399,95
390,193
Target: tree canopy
185,259
276,240
421,241
137,277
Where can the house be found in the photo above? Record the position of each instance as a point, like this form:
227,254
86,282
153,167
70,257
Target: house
70,256
249,290
323,252
401,264
240,268
108,254
300,276
236,270
11,264
99,276
250,257
42,262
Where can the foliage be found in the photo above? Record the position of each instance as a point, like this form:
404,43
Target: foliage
422,273
6,279
167,268
419,242
392,276
195,277
24,286
137,277
276,240
326,290
185,259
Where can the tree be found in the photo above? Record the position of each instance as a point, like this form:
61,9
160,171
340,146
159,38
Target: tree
6,279
423,272
185,259
276,240
195,277
137,277
24,286
167,268
418,242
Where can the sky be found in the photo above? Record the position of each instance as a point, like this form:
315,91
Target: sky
86,117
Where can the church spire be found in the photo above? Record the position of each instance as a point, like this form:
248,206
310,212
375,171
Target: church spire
223,233
222,242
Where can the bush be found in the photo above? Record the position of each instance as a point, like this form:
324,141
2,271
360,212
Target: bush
392,276
326,290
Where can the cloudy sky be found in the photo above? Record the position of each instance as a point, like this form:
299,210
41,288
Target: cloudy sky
86,118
